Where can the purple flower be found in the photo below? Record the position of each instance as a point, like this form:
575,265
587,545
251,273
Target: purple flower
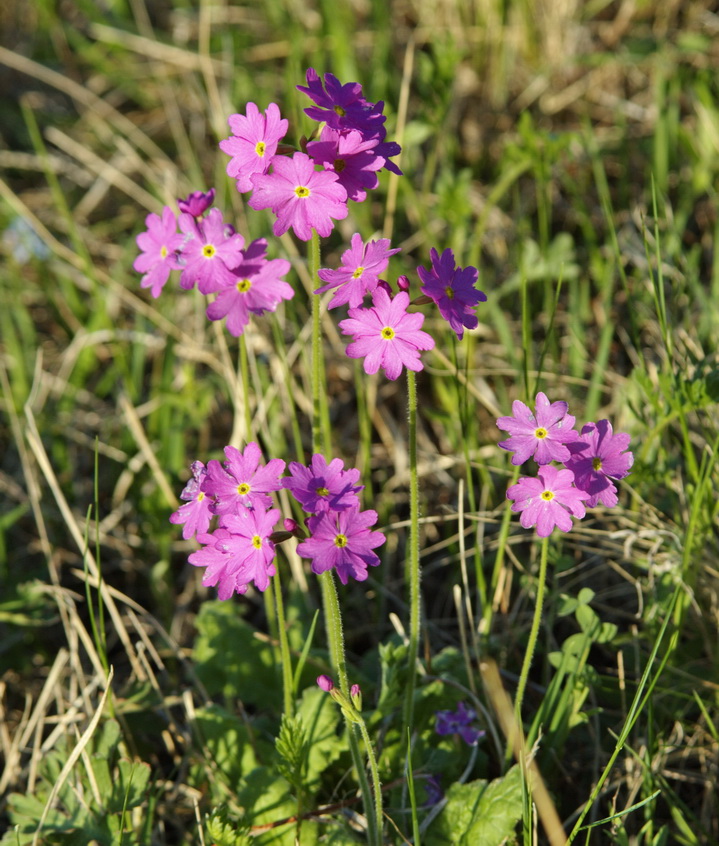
196,513
159,246
342,540
452,289
597,457
256,287
301,197
433,791
543,434
239,552
359,273
459,722
386,335
243,483
340,106
323,487
197,203
352,157
253,143
209,252
548,501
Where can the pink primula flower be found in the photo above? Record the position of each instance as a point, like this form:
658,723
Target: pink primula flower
543,435
159,247
197,202
359,273
253,143
210,252
386,335
196,513
351,157
322,486
597,458
300,197
453,290
242,483
548,501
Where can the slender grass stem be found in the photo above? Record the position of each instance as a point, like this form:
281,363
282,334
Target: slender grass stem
313,261
412,566
287,684
245,379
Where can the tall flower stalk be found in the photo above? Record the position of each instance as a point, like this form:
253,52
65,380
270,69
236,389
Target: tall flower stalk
412,572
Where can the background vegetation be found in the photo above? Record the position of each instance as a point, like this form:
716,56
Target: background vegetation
570,151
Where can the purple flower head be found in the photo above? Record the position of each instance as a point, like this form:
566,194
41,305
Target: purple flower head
597,457
196,513
242,483
344,541
542,435
548,501
209,253
300,197
386,335
459,722
359,273
197,203
452,289
159,247
238,553
325,683
253,143
433,791
256,287
341,106
323,487
352,157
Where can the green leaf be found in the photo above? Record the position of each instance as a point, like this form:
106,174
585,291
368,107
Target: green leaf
320,717
228,742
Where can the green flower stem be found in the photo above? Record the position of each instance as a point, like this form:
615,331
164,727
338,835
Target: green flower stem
412,573
245,379
376,787
284,646
335,641
313,262
532,643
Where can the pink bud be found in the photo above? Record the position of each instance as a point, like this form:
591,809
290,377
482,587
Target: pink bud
326,683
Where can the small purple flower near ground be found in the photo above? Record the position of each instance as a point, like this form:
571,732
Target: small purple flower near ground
452,289
253,143
548,501
209,253
542,435
300,196
159,245
344,541
359,271
196,513
386,335
459,722
598,457
323,487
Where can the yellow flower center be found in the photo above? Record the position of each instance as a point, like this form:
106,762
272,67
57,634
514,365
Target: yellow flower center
388,333
358,272
341,541
322,492
200,496
339,165
243,286
243,489
257,542
449,292
260,148
163,251
208,251
597,463
547,496
302,191
540,433
338,110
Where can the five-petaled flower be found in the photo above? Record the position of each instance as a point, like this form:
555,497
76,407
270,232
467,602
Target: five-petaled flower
598,457
359,272
548,501
159,246
543,435
209,253
196,513
322,486
242,483
453,290
253,143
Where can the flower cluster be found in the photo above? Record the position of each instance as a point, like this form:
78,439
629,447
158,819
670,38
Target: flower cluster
591,460
241,548
210,254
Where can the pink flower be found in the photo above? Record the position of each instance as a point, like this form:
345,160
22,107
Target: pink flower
301,197
342,540
323,487
211,251
548,501
597,457
243,483
195,514
256,287
197,203
359,273
452,289
159,247
543,434
352,157
386,335
253,143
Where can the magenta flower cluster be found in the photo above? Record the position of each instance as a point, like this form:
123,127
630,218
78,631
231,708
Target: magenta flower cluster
240,550
592,460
